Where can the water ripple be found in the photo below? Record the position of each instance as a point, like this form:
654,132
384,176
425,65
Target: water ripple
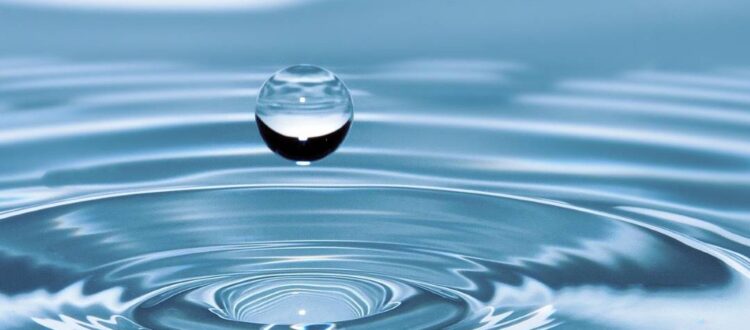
145,190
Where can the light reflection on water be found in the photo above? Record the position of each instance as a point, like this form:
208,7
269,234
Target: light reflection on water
471,194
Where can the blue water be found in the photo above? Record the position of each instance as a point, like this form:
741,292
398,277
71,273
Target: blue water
511,165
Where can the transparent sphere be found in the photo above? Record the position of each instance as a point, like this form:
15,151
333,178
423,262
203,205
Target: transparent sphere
304,112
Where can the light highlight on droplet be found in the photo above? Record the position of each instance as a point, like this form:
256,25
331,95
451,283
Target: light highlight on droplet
304,112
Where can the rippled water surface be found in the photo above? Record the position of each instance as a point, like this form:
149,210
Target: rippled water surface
510,165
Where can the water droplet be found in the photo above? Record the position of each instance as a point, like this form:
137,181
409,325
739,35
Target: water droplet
303,112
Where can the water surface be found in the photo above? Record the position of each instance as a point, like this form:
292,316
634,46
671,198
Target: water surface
563,165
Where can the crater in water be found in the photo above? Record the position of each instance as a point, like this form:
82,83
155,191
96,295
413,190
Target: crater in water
304,112
302,298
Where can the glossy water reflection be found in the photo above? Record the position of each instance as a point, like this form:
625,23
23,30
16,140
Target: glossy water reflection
484,187
158,233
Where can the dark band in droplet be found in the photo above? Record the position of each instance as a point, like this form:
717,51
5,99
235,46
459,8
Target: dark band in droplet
293,148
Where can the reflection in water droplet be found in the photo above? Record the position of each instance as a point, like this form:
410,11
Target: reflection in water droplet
304,112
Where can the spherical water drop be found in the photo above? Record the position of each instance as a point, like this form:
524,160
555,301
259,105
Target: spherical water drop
304,112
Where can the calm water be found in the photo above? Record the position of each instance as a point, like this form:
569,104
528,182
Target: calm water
511,164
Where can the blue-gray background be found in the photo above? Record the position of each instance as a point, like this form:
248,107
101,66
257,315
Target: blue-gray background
582,34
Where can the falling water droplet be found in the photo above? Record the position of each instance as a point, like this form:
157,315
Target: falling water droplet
303,113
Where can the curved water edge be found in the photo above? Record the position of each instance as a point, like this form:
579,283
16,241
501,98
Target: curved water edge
303,264
140,195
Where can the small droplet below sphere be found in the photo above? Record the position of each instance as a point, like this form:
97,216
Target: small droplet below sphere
304,112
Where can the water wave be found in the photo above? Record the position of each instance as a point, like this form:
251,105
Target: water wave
140,196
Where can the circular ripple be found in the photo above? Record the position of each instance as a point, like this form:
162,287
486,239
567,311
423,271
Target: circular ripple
348,257
301,298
